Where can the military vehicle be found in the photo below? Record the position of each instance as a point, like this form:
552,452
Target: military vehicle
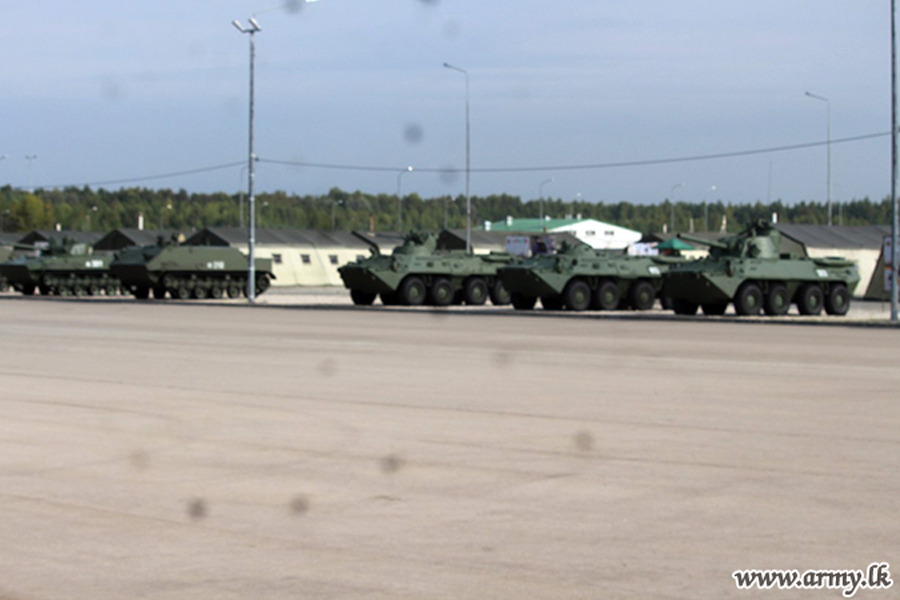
62,268
5,254
417,273
579,277
185,272
750,271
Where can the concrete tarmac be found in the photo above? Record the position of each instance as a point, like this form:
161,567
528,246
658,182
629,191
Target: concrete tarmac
166,450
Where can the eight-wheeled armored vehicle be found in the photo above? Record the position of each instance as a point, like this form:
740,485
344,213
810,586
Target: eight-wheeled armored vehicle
579,277
417,273
750,271
186,272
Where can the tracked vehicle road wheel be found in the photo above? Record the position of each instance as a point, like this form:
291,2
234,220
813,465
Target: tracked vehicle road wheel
475,291
748,300
412,291
499,295
606,297
577,295
234,290
441,293
182,292
642,295
217,291
521,302
778,302
838,300
810,299
361,298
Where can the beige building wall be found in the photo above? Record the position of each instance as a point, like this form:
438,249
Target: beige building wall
306,265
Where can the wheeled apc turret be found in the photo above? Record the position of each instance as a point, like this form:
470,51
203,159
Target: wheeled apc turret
417,273
750,271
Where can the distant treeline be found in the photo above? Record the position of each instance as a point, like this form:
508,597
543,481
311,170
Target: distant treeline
104,210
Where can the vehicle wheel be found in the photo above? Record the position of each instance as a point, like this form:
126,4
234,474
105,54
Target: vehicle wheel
141,292
748,300
577,295
201,292
683,307
521,302
361,298
714,309
552,302
217,291
441,293
44,289
412,291
78,289
93,289
235,290
641,295
499,295
606,297
778,302
390,298
475,291
28,289
111,289
262,283
159,293
182,292
810,299
838,300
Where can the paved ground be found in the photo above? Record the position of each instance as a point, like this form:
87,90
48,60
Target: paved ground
165,450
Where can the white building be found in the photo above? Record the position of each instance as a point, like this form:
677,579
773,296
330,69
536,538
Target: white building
597,234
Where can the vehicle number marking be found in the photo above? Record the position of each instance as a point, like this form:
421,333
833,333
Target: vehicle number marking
654,270
822,273
94,263
216,265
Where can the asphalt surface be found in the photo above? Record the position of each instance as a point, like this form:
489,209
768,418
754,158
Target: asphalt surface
179,450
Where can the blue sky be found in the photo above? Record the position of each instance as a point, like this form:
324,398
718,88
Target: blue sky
105,91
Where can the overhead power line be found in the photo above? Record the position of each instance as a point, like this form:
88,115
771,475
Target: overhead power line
150,177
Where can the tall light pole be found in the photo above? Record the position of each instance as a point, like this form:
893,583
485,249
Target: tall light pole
828,146
400,198
672,200
251,175
541,193
468,162
30,158
894,171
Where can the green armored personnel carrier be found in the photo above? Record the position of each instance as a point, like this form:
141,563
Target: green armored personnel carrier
579,277
5,254
417,273
64,269
750,271
185,272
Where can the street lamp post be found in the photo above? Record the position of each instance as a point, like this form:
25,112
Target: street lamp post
828,146
30,158
541,194
400,198
468,162
251,175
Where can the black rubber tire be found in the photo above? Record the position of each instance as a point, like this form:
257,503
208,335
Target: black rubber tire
412,291
499,295
441,292
838,300
28,289
159,292
182,292
810,299
216,291
748,300
141,292
552,302
778,302
234,290
714,309
606,296
577,295
684,307
475,291
201,292
521,302
641,295
361,298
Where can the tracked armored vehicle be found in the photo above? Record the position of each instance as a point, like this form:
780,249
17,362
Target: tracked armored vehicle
750,271
5,254
185,272
417,273
63,269
579,277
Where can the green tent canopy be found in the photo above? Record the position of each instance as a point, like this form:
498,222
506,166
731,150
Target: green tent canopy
674,244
